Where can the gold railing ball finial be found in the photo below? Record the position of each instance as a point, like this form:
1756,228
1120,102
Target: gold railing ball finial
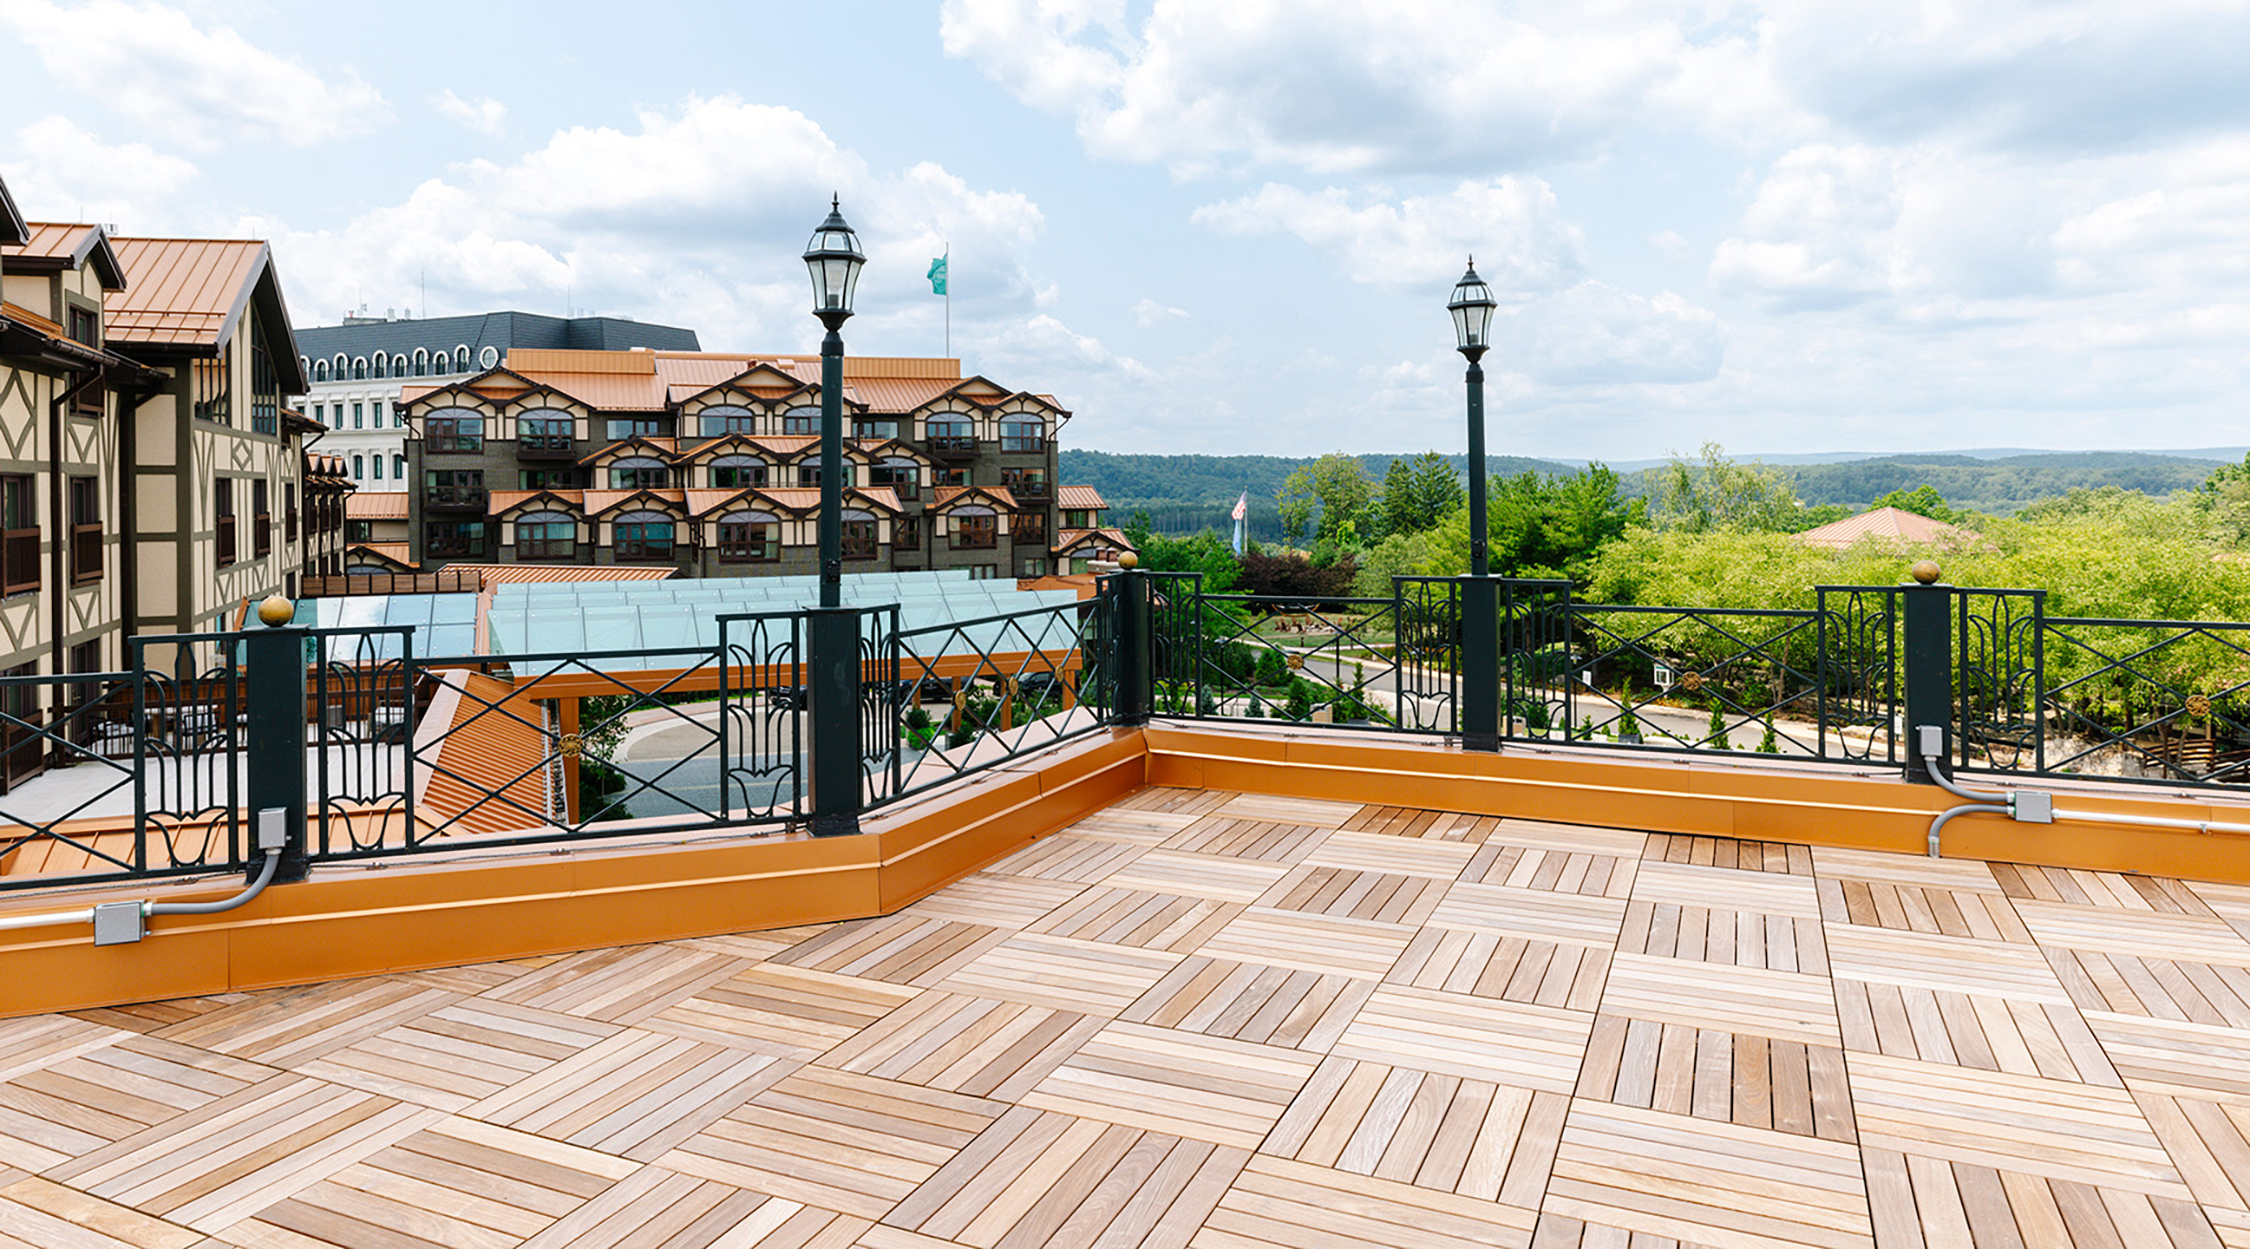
1926,572
276,610
1128,560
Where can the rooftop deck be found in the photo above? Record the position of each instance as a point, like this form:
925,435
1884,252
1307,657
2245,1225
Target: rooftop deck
1220,1020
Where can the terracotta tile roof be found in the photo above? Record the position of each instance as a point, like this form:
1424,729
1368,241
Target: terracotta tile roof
1080,499
1887,523
376,505
182,290
497,574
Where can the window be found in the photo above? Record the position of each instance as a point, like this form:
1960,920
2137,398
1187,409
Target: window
375,467
85,327
359,369
904,476
860,532
730,472
545,429
320,413
1078,519
343,367
85,529
1035,568
1028,528
452,539
642,536
398,468
546,535
1023,436
359,416
359,531
808,472
382,366
718,422
421,363
261,519
951,477
871,430
749,538
1025,483
801,421
460,359
454,487
86,657
976,529
320,371
622,428
906,535
488,357
639,473
211,389
454,430
550,479
398,418
265,392
359,468
224,509
953,435
289,513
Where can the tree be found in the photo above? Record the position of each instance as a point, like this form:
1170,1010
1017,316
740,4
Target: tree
1206,553
1418,493
1713,492
1544,526
1398,504
1923,500
1329,497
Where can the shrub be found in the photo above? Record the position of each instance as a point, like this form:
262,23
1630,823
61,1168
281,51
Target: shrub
1716,733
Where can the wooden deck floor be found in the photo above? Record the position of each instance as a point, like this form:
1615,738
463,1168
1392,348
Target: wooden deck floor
1228,1022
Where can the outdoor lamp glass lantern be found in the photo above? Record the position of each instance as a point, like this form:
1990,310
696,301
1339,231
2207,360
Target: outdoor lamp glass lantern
1472,312
834,259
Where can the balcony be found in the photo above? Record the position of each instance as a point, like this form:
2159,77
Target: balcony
1030,490
453,499
952,447
546,448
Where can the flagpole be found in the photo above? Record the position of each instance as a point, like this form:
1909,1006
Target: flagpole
949,299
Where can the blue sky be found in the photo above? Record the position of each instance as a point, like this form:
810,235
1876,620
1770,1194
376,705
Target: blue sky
1232,227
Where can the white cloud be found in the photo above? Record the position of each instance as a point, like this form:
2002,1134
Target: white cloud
1596,335
1041,348
1148,313
66,169
1524,243
201,88
485,116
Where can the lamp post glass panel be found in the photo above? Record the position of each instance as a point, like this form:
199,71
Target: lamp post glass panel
834,259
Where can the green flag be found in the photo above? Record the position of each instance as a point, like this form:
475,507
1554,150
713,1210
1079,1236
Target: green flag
936,275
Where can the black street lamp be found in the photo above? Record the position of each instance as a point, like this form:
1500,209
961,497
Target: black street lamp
1472,307
834,259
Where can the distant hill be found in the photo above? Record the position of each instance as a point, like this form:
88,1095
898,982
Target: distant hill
1187,493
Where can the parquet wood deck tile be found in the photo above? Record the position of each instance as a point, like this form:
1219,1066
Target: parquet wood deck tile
1089,977
1252,1002
2229,902
833,1139
1147,828
299,1025
1207,1088
1382,897
1039,1178
1137,917
1537,914
1786,1006
1064,857
1727,888
1186,801
636,1094
1513,969
459,1054
79,1104
2176,1058
658,1209
622,985
1313,811
153,1016
2148,934
1707,1074
994,900
1890,868
37,1041
1703,1182
1277,1202
754,946
1749,856
905,948
1236,838
1317,943
2162,988
962,1044
2129,891
1956,964
1212,876
1414,822
1718,935
1514,1043
1491,1142
2083,1133
217,1164
41,1214
1409,856
2211,1143
1617,843
794,1012
1975,914
1543,868
1932,1202
2026,1037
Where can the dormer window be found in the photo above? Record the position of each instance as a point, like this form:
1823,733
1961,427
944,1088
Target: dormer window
730,472
724,419
639,473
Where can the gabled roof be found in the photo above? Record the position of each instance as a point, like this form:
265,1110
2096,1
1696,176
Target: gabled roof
397,554
1080,499
665,449
1070,539
501,502
191,294
956,496
48,248
376,505
1887,524
14,231
599,501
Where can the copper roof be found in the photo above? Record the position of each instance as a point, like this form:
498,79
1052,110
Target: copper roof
376,505
1887,523
399,553
496,574
1069,538
638,444
1080,499
482,754
599,501
48,246
946,496
25,316
501,500
184,291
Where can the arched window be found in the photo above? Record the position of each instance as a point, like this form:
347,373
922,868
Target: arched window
421,362
304,366
320,371
900,474
545,430
359,369
375,466
975,528
488,357
343,367
722,419
860,534
461,359
359,467
729,472
454,429
641,536
546,535
382,365
639,473
801,421
749,538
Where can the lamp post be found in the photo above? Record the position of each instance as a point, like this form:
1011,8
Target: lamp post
834,259
1472,306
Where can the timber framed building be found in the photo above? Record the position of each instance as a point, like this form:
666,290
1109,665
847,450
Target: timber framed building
710,464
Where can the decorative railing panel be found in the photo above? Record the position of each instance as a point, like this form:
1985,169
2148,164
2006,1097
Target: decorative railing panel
968,695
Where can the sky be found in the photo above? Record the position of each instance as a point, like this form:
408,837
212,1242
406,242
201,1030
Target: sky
1233,227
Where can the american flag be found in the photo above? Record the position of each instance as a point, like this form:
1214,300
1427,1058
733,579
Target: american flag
1242,506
